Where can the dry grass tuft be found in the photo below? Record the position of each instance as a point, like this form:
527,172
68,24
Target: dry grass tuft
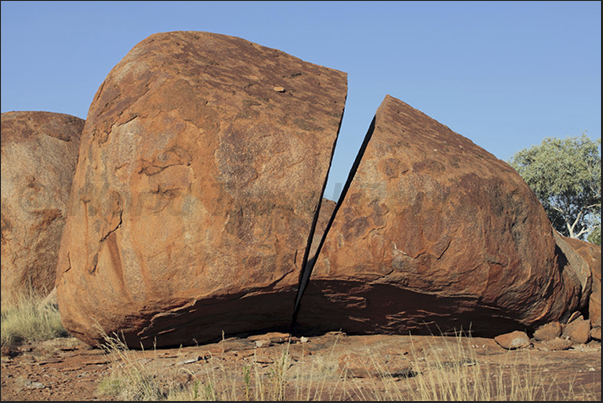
26,318
130,378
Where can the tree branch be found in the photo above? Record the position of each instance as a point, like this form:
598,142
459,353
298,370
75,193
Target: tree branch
571,229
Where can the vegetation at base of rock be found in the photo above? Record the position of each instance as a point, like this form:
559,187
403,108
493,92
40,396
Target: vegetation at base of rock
130,379
452,373
565,174
26,317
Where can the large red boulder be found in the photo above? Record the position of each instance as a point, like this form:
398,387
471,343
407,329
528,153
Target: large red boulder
203,162
39,154
435,234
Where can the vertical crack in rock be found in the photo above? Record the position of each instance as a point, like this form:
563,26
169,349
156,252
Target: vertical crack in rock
306,266
308,262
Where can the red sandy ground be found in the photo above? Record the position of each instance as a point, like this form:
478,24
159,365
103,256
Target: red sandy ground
66,369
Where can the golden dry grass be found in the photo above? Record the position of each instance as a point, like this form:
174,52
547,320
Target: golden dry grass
27,318
450,373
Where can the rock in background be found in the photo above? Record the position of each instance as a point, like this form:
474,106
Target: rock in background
435,234
576,267
203,162
587,256
39,155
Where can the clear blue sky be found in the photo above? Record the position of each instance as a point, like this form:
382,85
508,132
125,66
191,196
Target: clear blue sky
503,74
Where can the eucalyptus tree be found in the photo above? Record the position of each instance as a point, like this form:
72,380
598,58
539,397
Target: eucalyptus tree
565,175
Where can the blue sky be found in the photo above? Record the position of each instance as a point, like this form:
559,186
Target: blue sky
503,74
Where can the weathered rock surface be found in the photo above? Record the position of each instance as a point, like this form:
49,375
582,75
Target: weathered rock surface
39,154
513,340
576,265
587,254
434,230
203,162
549,331
577,331
556,344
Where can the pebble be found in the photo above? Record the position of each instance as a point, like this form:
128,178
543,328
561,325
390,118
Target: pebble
34,385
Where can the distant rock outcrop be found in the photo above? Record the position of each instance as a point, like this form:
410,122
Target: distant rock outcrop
39,154
587,257
203,163
435,231
575,266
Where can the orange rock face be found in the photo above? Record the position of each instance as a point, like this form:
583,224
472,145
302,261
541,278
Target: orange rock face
435,234
39,154
588,256
202,166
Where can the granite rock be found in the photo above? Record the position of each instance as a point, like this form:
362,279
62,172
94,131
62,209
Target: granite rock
39,155
196,190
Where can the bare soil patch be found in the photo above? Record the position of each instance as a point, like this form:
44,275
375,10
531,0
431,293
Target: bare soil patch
333,366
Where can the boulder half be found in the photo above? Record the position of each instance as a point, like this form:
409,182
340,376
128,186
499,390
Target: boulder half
434,234
202,166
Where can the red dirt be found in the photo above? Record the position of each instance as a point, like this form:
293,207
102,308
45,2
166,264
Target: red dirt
67,369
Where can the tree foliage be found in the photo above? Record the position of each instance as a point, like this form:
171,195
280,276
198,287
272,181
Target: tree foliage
565,174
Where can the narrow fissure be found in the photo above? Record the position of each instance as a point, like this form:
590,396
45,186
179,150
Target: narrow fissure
309,262
304,265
